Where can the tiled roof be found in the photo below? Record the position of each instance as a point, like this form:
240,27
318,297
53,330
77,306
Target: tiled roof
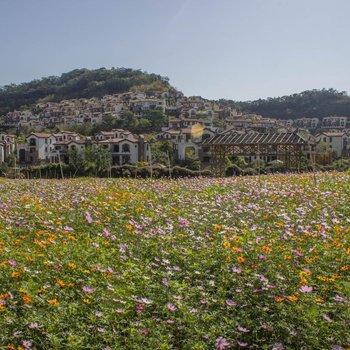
255,138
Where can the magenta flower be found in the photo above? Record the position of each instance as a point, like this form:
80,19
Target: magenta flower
143,331
12,263
171,307
305,289
140,308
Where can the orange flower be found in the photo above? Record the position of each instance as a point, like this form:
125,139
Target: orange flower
240,259
53,302
26,298
279,299
61,283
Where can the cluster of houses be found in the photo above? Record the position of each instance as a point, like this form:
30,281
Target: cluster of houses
192,121
125,147
128,148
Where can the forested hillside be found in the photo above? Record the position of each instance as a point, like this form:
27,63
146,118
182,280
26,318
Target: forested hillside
84,83
311,103
79,83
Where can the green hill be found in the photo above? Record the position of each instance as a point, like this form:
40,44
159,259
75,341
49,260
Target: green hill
311,103
79,83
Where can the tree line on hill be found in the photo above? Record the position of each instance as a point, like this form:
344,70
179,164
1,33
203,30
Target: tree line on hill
310,103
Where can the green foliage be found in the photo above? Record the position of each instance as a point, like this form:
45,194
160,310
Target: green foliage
310,103
200,263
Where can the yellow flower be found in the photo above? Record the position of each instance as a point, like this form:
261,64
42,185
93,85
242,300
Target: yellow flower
227,244
319,300
53,302
292,298
87,301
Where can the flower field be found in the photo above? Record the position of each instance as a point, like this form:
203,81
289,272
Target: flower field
255,263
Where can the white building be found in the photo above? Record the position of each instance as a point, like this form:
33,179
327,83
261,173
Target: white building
339,142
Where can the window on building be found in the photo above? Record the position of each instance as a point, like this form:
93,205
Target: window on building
126,147
116,148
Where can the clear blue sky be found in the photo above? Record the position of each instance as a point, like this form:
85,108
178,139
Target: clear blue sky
237,49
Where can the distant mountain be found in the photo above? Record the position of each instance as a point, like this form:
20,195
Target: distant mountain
311,103
79,83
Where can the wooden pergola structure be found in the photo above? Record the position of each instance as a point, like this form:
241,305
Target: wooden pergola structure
286,147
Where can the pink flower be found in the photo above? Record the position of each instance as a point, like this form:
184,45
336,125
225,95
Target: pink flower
230,302
140,308
88,217
297,252
88,290
143,331
305,289
242,329
106,233
236,269
326,318
222,343
12,263
278,346
165,282
171,307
